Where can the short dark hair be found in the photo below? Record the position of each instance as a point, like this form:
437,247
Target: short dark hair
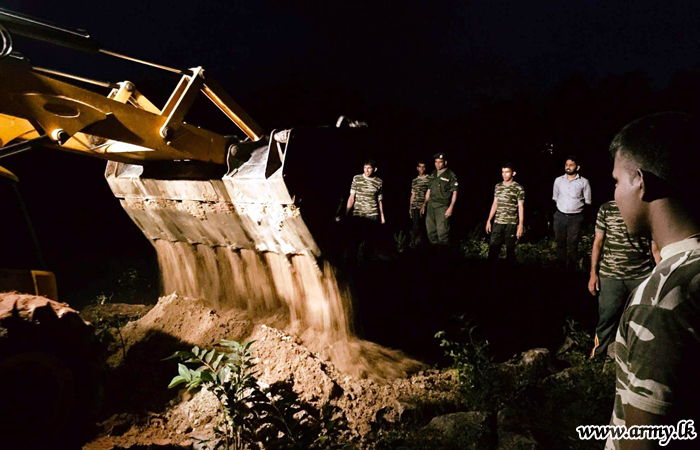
420,161
370,162
508,165
663,144
573,158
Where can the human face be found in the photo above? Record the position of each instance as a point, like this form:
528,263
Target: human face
629,191
507,174
369,170
440,164
571,168
421,169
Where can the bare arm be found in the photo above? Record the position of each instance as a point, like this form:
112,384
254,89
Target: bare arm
381,211
494,207
410,204
594,281
634,416
521,217
351,201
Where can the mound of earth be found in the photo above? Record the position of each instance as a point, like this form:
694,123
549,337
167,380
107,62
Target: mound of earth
50,367
378,384
121,311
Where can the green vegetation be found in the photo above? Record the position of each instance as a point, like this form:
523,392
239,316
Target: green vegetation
272,417
540,253
484,386
549,403
401,240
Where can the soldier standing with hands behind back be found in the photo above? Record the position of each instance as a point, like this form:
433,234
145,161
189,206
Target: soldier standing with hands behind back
440,201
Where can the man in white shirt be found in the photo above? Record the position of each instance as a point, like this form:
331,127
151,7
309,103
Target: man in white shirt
571,193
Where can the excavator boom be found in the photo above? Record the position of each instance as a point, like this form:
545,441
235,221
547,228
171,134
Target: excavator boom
124,126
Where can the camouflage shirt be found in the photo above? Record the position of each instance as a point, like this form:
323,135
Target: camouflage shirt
441,187
507,197
419,186
368,193
623,258
657,343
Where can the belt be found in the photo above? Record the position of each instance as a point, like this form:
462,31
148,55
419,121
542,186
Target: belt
569,214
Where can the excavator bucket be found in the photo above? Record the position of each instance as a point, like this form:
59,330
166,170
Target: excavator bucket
235,238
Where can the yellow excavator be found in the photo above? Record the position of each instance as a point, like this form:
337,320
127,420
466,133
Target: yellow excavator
181,184
222,215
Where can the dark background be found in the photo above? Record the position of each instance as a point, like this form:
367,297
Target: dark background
484,82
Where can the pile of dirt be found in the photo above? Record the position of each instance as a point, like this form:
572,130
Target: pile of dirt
393,384
50,364
123,311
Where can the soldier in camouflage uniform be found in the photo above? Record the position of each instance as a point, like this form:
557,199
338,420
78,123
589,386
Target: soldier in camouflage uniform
626,262
419,186
365,201
366,194
509,209
658,341
440,201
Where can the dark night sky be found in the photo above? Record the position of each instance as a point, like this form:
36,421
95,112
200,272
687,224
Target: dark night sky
436,57
484,80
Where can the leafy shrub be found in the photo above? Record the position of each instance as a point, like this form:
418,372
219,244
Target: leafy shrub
542,253
475,245
577,344
482,385
274,417
401,241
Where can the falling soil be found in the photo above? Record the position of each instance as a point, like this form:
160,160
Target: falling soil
299,317
184,419
299,287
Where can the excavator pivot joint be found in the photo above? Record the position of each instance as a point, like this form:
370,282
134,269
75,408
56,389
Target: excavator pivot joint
60,136
167,133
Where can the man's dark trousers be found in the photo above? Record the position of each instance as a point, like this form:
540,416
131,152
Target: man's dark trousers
365,230
437,225
418,230
611,302
503,233
567,230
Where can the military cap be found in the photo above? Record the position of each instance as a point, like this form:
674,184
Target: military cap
440,156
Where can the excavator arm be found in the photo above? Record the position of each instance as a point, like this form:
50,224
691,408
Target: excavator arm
124,126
